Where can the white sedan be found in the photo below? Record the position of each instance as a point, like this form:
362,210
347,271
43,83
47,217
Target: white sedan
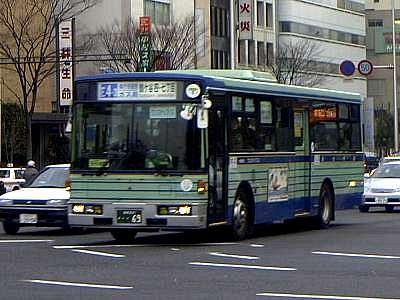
382,188
41,203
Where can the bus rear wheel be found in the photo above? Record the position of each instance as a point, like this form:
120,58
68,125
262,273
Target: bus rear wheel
325,213
241,226
124,235
363,208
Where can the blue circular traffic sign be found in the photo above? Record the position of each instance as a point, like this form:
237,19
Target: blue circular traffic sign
365,67
347,68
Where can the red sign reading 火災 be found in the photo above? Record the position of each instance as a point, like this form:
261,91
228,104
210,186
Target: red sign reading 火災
144,24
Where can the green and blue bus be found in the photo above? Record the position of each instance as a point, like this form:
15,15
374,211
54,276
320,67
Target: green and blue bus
185,150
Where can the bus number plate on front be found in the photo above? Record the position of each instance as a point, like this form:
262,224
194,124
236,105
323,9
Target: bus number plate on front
129,216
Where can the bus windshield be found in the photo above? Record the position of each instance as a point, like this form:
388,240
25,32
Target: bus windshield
135,136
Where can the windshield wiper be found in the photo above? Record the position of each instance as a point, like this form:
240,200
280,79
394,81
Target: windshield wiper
46,186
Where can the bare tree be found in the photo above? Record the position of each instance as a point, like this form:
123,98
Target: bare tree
172,47
296,64
27,45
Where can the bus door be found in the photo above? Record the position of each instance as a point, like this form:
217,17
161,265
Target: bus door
217,165
302,176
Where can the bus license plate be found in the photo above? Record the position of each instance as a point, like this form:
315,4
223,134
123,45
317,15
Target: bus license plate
28,218
129,216
381,200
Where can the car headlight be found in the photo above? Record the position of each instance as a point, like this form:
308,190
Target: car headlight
6,202
57,202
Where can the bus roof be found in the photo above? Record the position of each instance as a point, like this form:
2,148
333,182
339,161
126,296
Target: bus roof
241,81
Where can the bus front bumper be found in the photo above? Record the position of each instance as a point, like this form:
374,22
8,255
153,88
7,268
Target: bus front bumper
138,216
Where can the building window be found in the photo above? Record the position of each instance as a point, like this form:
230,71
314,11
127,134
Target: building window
375,23
260,54
351,5
269,15
219,22
251,53
376,87
260,13
270,54
322,32
242,51
159,11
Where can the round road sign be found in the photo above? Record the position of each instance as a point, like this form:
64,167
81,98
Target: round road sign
365,67
347,68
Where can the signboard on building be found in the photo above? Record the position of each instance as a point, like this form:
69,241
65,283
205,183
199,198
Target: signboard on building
245,19
66,76
368,120
384,40
144,44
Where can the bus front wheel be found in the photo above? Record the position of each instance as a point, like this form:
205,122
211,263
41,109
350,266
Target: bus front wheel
241,217
10,227
325,213
124,235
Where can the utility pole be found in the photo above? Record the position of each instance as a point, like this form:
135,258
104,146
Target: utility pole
396,125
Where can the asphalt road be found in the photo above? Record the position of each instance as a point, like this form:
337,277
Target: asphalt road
357,258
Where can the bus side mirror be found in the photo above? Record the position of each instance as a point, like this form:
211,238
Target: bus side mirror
202,118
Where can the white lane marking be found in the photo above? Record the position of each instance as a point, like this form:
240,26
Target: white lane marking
257,245
322,297
26,241
356,255
98,253
241,266
175,249
99,286
142,245
233,255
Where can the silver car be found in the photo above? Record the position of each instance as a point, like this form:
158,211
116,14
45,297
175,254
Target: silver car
382,188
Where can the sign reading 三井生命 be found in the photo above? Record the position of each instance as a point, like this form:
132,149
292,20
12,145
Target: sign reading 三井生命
65,42
138,90
245,19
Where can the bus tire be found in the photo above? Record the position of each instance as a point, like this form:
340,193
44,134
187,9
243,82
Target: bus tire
10,227
389,208
363,208
325,212
124,235
241,225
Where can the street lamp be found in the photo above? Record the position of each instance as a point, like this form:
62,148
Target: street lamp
396,137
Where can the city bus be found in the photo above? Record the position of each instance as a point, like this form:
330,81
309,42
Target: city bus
187,150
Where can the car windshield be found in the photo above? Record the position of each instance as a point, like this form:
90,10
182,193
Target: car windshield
4,173
51,177
387,171
136,136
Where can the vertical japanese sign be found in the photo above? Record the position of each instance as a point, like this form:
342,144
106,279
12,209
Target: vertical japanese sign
65,42
144,44
245,19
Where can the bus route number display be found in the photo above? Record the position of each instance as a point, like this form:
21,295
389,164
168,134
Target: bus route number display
138,90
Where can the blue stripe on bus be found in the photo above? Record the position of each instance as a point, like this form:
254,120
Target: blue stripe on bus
287,159
268,212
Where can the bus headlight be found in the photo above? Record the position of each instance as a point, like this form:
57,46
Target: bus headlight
87,209
175,210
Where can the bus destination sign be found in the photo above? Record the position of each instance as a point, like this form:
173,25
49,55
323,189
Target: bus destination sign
137,90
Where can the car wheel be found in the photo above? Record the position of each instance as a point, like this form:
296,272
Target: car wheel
389,208
124,235
241,226
363,208
325,213
10,227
